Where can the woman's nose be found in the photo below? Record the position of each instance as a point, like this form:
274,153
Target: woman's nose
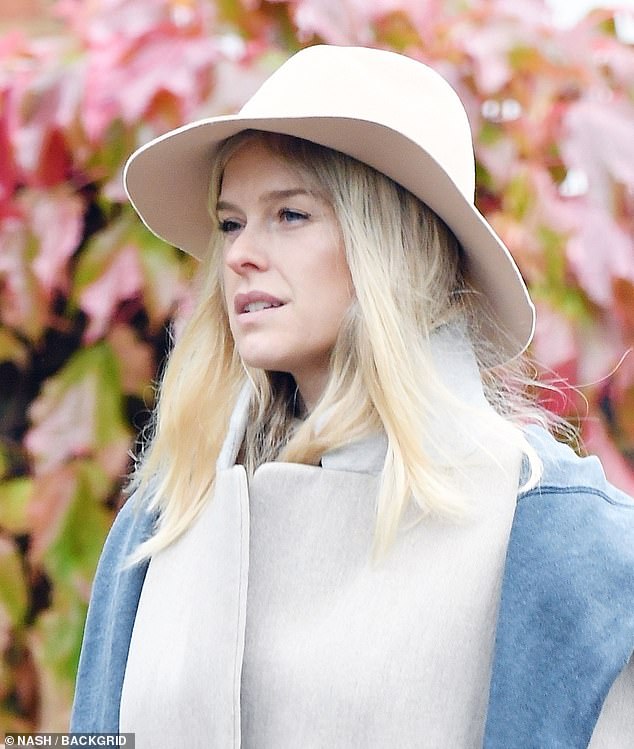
246,251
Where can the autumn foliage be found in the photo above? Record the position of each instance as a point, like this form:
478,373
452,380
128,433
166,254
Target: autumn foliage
86,292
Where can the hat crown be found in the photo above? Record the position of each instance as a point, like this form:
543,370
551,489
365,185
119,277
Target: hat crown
375,86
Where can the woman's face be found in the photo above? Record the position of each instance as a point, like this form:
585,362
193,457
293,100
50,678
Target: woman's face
286,280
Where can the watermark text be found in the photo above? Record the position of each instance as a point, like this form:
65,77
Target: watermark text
69,739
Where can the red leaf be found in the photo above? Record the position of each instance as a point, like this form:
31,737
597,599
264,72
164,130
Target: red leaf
8,169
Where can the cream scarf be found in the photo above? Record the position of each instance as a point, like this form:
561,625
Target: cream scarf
326,650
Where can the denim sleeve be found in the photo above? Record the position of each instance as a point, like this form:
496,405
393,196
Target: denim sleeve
566,625
111,613
615,727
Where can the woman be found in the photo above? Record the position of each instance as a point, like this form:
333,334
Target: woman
344,532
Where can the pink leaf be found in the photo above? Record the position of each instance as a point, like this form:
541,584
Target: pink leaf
22,305
142,52
528,13
125,82
556,352
554,345
45,102
617,469
623,378
103,22
64,423
599,252
336,21
488,48
122,279
52,494
57,221
12,270
234,83
354,21
600,142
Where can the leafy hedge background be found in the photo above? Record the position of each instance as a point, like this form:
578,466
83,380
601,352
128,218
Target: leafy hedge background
86,292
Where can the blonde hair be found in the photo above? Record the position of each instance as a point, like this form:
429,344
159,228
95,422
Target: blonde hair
408,273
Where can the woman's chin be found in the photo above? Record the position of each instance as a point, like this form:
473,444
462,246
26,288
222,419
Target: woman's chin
264,360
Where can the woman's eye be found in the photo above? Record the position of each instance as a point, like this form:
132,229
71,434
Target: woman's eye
290,216
228,226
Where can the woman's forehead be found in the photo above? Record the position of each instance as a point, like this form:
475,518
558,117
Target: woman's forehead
261,156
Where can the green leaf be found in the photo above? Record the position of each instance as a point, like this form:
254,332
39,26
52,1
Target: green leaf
556,285
13,587
90,380
99,252
14,499
12,349
117,144
490,133
525,58
58,636
519,197
165,270
71,559
110,425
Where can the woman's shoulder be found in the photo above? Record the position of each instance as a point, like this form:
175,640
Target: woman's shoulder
573,526
568,580
133,524
565,473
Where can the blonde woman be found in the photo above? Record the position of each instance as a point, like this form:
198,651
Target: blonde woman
345,530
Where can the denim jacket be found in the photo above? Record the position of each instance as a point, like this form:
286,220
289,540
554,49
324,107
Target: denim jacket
565,625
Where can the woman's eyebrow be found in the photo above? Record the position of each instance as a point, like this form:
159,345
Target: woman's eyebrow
267,197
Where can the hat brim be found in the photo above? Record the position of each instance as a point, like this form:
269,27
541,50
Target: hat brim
167,182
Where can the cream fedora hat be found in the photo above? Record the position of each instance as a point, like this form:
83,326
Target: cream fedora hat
384,109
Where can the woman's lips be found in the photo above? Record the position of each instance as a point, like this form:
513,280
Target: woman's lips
254,301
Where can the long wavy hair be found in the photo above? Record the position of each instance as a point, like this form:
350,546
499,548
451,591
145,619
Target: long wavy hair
409,279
